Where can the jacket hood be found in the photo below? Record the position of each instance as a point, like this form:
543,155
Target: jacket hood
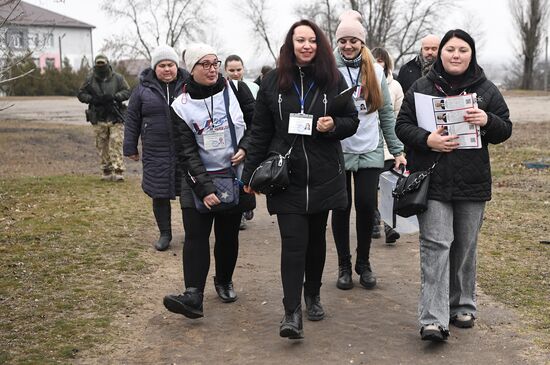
451,84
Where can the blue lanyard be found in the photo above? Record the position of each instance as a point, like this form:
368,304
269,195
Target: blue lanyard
303,98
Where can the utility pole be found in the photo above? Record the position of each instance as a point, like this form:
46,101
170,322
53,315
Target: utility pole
546,65
60,53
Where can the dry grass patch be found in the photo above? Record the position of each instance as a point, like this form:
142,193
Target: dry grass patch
513,261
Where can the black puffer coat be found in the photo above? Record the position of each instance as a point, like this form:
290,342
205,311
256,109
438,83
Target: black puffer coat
464,174
189,160
149,118
317,177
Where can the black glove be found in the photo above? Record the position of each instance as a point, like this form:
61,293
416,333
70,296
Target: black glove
107,99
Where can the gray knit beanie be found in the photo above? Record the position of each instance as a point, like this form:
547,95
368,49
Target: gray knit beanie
195,52
164,53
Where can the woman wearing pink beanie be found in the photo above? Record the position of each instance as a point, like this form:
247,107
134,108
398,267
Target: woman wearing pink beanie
363,152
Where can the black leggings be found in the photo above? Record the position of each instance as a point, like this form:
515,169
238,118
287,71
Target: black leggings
303,239
366,189
163,212
196,248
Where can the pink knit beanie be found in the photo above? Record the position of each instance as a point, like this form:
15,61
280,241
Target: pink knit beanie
351,26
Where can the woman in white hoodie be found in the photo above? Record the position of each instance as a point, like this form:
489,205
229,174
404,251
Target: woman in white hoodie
383,58
363,152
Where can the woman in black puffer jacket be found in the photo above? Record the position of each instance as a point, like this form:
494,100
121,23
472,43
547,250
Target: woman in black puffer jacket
306,83
459,186
149,118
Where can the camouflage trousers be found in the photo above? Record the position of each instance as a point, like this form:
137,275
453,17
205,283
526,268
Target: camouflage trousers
109,137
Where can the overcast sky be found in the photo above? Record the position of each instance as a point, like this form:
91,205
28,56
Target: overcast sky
490,18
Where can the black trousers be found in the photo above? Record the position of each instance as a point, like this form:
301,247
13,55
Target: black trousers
196,247
365,187
163,214
303,239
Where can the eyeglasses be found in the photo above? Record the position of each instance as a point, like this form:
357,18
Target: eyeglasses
206,65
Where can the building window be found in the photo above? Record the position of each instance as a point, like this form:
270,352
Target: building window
17,40
48,40
50,62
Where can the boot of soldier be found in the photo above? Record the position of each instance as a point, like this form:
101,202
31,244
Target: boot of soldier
344,281
163,212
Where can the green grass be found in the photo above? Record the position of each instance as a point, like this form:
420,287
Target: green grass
69,247
513,263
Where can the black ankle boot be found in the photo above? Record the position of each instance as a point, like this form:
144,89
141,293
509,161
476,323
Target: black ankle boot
315,311
391,235
291,325
366,277
162,211
344,281
163,242
225,291
189,303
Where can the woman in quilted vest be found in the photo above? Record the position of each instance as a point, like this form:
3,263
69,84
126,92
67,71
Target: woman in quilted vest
459,186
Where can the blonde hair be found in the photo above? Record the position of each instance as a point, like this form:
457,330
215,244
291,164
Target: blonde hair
369,82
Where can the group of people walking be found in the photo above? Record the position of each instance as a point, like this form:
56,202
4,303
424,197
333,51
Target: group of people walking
198,128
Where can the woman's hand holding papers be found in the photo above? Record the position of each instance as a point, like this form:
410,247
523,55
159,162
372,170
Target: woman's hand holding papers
439,141
476,116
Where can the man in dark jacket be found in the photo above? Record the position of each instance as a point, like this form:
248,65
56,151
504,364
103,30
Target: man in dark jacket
104,91
421,64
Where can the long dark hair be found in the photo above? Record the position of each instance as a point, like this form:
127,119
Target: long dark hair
325,71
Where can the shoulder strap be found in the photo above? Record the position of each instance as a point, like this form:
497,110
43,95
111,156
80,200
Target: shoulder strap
229,119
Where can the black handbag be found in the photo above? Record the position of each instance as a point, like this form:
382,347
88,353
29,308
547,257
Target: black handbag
271,176
410,196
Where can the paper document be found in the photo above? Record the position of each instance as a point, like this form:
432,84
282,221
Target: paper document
432,112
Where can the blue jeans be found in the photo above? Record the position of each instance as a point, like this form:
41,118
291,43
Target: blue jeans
448,245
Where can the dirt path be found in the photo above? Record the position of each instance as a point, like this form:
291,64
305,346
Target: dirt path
361,327
69,110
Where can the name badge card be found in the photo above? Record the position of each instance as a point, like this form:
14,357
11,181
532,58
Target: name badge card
300,124
214,140
360,105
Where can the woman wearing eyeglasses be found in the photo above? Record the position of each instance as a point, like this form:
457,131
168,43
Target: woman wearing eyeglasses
210,118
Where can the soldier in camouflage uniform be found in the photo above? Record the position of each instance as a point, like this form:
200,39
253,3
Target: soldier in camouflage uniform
104,91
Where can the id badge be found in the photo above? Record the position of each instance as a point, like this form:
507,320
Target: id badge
299,123
360,105
214,140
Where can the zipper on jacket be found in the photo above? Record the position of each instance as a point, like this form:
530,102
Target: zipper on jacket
325,102
280,100
167,95
307,174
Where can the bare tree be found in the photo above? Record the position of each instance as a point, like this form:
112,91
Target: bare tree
9,61
394,24
400,24
530,20
153,23
324,13
255,12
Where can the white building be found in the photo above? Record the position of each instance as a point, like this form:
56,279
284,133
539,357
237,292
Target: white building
51,37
